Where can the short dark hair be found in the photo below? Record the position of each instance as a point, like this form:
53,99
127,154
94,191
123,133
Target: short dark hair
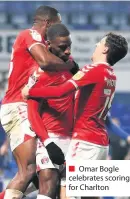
57,30
118,47
46,12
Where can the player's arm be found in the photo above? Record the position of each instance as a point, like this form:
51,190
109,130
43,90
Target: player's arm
55,153
79,80
116,129
52,91
48,61
47,92
36,121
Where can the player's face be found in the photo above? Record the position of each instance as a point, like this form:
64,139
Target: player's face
100,49
61,47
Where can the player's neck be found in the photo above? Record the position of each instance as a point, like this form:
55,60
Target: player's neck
100,60
39,29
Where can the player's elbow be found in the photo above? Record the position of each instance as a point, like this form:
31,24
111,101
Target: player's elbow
43,64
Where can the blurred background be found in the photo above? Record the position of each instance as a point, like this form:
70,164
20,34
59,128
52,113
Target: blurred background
88,23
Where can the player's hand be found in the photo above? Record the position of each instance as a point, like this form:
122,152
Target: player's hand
55,153
75,69
25,92
71,64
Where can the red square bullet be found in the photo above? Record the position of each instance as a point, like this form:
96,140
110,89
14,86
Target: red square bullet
71,168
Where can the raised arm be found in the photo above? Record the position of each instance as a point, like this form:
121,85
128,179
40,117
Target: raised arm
48,61
52,91
79,80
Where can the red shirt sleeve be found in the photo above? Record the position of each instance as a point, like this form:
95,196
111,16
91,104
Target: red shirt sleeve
80,79
52,91
36,121
88,75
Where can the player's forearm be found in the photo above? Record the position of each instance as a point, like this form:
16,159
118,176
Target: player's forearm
50,62
52,91
36,121
117,130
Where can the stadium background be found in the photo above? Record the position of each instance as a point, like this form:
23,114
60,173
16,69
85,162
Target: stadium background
88,22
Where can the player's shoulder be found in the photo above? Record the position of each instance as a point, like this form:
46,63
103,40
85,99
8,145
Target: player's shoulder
22,35
84,71
20,38
31,33
104,67
89,68
101,65
108,70
24,32
35,35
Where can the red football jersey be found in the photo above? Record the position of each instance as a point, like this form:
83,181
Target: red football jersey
21,64
97,87
57,114
93,102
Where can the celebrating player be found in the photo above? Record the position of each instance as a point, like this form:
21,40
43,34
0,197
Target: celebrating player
29,51
57,116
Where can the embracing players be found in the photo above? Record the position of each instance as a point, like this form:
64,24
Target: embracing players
29,52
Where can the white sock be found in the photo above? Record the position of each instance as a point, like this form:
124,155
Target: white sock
13,193
39,196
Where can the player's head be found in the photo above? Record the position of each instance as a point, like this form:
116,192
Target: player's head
45,16
110,49
59,41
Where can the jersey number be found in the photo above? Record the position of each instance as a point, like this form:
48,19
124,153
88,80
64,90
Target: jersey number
107,105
